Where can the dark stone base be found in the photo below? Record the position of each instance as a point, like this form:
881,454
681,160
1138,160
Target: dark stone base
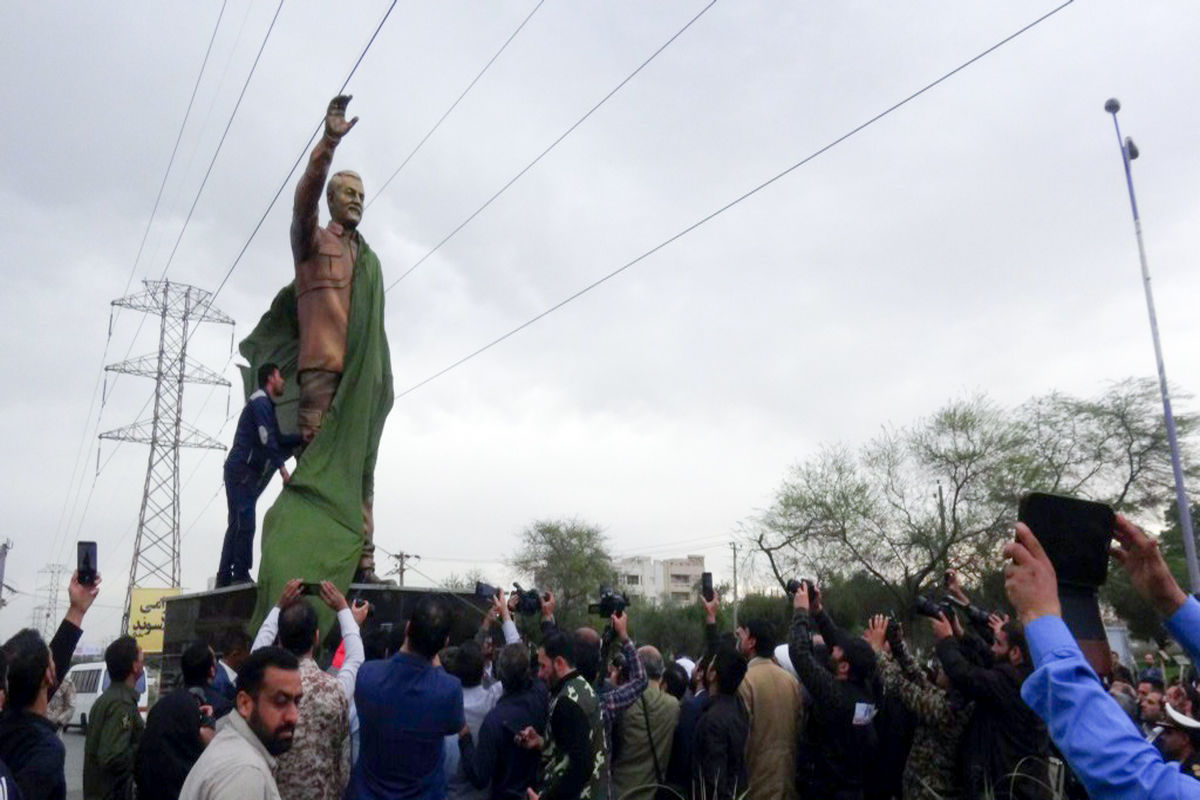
210,615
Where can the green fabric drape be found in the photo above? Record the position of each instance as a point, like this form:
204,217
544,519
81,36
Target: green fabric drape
314,530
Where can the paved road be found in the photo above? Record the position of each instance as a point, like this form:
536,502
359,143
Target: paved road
73,739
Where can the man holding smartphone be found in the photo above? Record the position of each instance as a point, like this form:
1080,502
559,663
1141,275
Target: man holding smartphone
256,444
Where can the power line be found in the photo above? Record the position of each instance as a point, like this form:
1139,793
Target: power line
553,145
714,214
174,150
217,152
454,105
132,271
221,141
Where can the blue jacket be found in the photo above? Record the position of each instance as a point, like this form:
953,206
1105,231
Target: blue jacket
1100,742
406,707
258,442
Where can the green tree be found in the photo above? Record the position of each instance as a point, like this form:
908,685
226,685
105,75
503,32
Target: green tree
943,492
568,557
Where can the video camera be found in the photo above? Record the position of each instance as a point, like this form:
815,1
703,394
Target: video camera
529,601
794,585
610,603
928,608
974,613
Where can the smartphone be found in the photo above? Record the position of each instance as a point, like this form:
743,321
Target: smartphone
1076,535
86,562
310,588
706,587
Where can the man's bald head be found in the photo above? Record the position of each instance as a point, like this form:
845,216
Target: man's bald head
587,653
652,661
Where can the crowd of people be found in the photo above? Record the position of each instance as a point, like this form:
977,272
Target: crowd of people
811,712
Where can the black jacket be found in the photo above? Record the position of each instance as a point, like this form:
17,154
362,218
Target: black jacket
29,744
496,758
719,748
841,731
1005,746
170,746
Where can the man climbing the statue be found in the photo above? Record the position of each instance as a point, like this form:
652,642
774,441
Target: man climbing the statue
327,326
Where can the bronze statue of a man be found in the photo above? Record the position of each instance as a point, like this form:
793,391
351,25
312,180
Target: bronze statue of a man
325,258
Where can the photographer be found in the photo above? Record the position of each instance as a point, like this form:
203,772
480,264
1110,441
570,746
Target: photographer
588,655
1005,748
719,743
843,710
1101,744
941,712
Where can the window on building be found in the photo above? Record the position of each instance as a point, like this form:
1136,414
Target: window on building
633,580
681,579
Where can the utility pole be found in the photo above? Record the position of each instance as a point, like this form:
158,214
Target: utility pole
733,546
179,307
4,548
1129,152
401,560
45,612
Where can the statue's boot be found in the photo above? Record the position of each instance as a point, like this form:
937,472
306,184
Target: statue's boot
366,562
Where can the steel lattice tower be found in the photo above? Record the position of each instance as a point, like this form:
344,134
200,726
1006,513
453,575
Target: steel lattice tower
180,308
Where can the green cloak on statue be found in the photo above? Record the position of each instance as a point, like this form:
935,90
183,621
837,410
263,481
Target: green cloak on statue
314,530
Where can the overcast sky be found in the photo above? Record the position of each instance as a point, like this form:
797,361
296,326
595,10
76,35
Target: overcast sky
978,239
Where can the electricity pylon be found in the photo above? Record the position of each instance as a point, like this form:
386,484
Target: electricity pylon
179,308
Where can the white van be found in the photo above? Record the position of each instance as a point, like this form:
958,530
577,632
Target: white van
87,681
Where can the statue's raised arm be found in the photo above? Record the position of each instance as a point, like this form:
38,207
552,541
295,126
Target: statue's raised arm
308,190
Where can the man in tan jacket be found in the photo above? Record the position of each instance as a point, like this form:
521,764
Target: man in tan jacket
772,699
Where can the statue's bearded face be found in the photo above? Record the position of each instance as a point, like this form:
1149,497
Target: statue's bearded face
345,195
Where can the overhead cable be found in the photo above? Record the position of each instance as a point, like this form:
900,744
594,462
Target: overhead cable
454,105
714,214
553,145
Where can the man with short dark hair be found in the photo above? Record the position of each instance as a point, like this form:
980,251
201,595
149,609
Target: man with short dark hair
114,726
237,764
221,690
1005,747
29,744
492,756
178,727
843,710
771,697
719,744
574,758
406,706
468,667
257,445
317,767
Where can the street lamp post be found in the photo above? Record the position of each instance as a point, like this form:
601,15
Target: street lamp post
1129,152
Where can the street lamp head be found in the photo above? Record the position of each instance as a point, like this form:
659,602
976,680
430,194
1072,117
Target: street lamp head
1112,106
1131,148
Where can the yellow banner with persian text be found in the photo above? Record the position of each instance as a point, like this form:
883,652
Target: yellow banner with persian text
146,610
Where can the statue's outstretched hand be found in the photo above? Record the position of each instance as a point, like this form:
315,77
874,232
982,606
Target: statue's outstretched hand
336,125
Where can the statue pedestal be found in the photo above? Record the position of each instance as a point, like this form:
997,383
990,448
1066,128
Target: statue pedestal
210,615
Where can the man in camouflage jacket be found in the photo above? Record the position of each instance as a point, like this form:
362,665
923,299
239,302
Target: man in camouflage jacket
942,715
574,760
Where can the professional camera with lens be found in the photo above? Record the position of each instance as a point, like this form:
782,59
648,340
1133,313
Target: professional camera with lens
974,613
610,603
927,608
794,585
529,601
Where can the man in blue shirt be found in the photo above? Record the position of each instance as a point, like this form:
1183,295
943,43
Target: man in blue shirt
1100,742
406,707
256,444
